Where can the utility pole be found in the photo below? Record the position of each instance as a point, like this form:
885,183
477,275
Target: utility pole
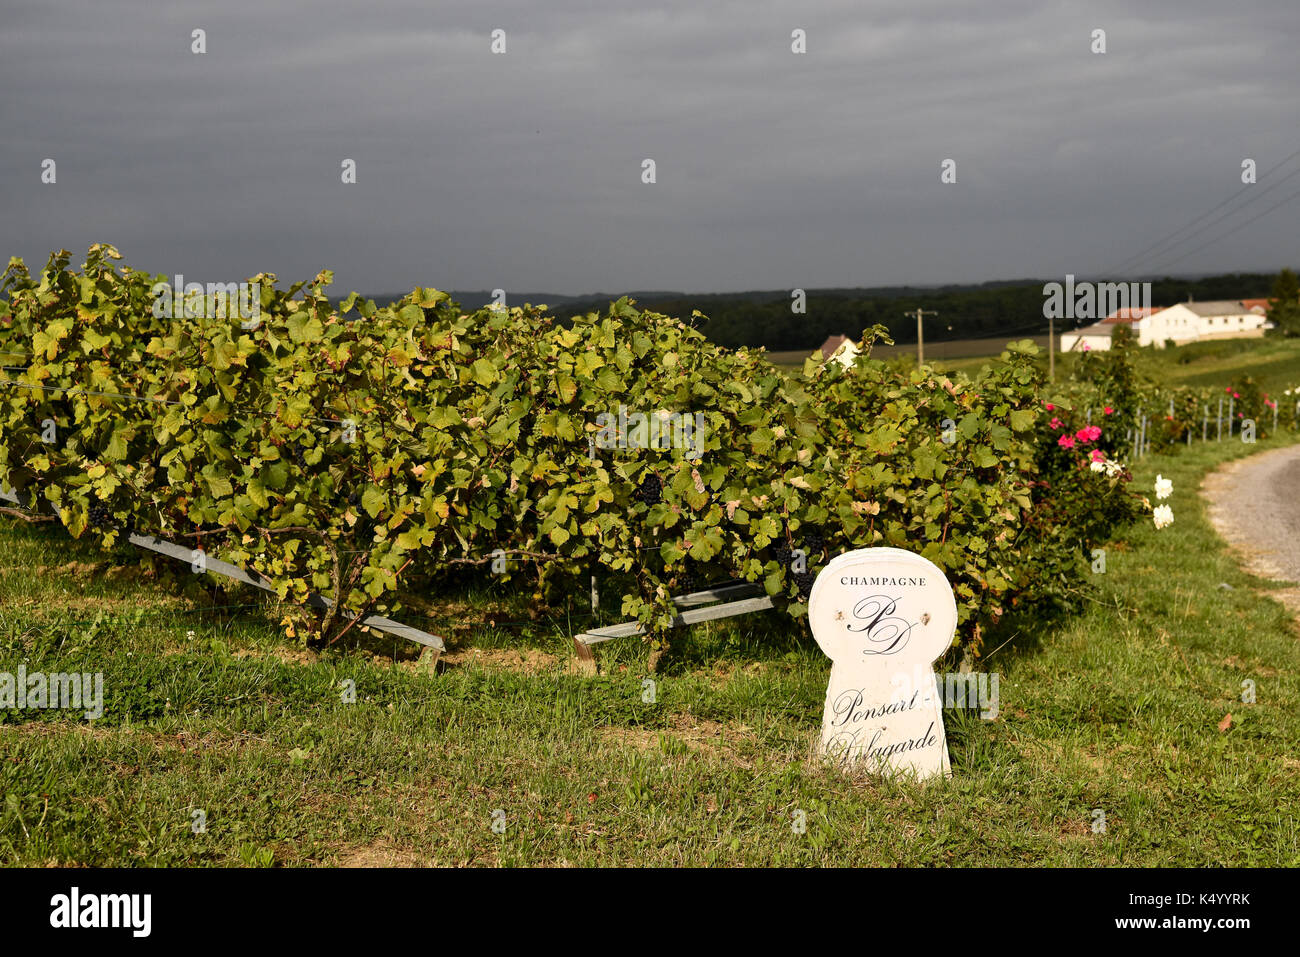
1051,348
920,338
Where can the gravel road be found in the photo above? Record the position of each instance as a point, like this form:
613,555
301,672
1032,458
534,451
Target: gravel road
1254,503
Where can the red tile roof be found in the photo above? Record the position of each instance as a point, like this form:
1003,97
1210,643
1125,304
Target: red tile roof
831,344
1132,314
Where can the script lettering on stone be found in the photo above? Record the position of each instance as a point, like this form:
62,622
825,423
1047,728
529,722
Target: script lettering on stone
884,616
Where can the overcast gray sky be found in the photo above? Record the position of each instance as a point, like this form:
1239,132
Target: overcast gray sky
523,170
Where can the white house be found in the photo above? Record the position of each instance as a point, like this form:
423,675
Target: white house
840,349
1087,338
1183,323
1222,319
1161,325
1097,335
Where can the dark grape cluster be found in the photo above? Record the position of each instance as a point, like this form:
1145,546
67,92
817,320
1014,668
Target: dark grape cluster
686,583
99,518
814,543
651,490
364,529
783,557
805,582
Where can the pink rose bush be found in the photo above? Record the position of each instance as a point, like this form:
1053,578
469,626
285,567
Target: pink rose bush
1084,487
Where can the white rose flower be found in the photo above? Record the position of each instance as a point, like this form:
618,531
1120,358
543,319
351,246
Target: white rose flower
1098,466
1164,487
1163,515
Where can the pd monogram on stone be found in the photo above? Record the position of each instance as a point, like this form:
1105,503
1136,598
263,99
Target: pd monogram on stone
883,615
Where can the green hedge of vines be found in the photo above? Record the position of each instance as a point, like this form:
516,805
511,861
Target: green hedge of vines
361,450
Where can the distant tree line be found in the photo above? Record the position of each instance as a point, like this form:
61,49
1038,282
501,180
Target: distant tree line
1284,305
1011,308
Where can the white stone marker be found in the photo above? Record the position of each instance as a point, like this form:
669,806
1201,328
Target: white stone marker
884,616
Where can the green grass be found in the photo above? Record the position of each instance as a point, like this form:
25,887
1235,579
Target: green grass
1114,704
1273,363
965,355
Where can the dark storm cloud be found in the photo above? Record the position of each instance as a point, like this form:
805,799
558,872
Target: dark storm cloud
523,170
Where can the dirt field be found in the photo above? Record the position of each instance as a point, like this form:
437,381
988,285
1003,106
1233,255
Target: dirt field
936,352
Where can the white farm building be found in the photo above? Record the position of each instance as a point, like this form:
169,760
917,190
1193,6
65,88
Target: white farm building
1185,322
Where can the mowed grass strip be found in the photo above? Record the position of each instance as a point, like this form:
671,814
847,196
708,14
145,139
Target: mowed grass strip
1115,704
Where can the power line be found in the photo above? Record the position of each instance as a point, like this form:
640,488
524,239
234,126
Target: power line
1160,242
1232,212
1241,226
